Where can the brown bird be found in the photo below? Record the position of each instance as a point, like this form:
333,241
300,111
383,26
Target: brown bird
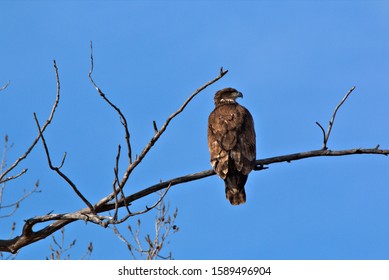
231,143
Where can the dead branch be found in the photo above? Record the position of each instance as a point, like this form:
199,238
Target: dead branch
13,177
331,123
58,248
115,181
164,227
57,169
147,209
48,121
123,119
5,86
260,165
320,153
15,205
29,236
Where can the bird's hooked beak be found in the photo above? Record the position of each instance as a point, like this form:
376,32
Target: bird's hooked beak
239,94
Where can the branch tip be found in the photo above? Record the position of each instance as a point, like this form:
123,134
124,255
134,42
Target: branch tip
223,72
331,122
5,86
155,127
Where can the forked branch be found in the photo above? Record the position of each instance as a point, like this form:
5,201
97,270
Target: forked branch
48,121
57,168
326,135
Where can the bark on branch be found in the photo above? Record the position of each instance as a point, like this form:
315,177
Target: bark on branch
29,236
260,165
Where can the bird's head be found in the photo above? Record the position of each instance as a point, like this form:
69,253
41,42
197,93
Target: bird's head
227,96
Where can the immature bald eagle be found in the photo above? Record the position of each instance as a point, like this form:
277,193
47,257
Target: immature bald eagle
231,143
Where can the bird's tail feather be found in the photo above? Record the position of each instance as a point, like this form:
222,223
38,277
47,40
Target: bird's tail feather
236,196
235,192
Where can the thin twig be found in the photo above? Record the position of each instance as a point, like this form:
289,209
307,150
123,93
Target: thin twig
324,135
48,121
124,240
331,123
16,204
59,172
116,180
63,161
155,127
12,229
123,119
147,209
164,227
13,176
5,86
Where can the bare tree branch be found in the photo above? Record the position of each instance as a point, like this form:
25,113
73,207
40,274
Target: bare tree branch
164,227
260,165
58,249
48,121
147,209
116,180
13,177
57,169
320,153
120,188
29,236
15,205
123,119
331,123
5,86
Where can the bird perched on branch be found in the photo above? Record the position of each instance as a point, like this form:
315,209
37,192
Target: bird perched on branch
231,143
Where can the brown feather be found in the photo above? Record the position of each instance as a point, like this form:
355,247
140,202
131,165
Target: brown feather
231,143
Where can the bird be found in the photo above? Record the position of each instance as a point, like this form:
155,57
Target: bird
231,143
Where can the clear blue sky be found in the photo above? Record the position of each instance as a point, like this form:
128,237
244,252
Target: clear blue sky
293,61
